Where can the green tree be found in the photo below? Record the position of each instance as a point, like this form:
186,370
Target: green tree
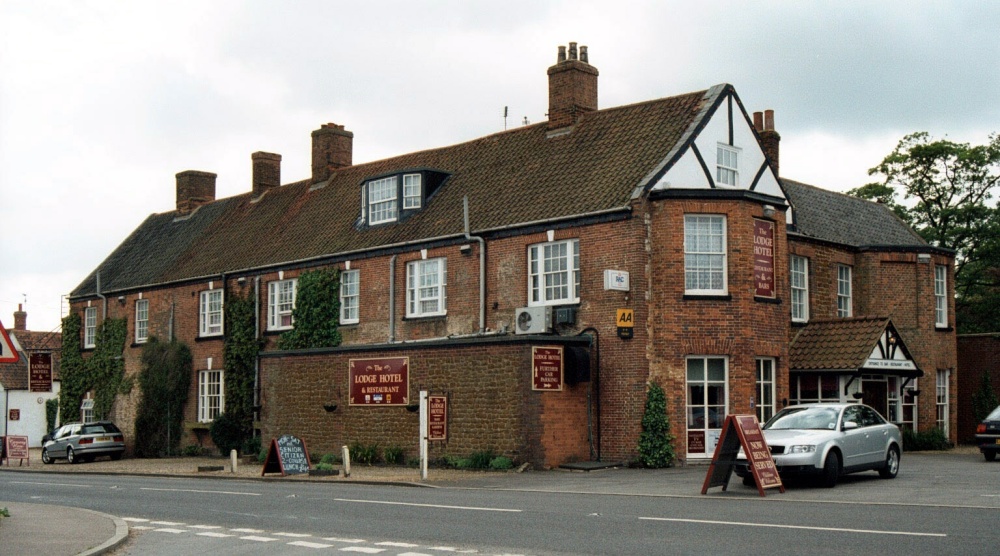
945,190
656,444
316,312
163,384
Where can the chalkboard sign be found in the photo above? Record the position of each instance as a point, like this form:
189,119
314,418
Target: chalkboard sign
287,455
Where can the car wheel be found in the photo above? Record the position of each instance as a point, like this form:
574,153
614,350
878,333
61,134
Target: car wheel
990,455
891,464
46,458
116,457
831,470
70,456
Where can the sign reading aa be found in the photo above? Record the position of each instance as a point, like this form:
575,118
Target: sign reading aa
379,381
625,322
287,455
40,372
763,258
742,431
547,368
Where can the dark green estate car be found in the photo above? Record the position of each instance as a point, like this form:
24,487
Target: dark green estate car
83,442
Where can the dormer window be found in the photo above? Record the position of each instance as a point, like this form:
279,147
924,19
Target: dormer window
727,166
411,191
382,197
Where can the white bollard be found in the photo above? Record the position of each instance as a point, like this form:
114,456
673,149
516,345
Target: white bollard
346,454
232,459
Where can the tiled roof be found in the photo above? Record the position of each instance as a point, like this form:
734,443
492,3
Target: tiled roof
841,344
14,376
511,178
847,220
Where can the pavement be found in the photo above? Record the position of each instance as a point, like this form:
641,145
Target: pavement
957,478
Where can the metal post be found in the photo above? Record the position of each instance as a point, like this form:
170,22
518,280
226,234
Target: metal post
423,435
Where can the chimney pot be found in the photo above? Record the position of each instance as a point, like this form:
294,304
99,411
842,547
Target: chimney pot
583,55
758,121
266,172
194,188
20,319
562,54
572,51
769,138
769,120
332,146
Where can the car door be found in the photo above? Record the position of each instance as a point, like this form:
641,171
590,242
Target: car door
72,435
855,441
878,435
58,445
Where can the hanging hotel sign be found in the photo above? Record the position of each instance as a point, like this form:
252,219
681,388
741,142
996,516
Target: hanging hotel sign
763,258
40,372
383,382
547,368
437,418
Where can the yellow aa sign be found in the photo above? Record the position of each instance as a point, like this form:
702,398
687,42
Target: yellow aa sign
625,318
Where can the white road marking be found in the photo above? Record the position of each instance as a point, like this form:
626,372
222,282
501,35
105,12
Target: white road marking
474,508
414,554
258,539
397,544
170,530
810,528
135,519
338,539
443,548
202,491
244,530
167,523
214,535
142,527
206,526
362,549
293,535
307,544
49,484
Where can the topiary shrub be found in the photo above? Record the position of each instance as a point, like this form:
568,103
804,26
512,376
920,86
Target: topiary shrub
656,444
227,434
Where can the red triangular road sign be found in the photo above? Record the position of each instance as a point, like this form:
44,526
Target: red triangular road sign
7,352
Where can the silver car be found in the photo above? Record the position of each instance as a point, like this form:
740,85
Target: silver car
83,442
829,440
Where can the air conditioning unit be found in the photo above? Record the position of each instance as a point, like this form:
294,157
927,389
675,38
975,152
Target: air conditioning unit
533,320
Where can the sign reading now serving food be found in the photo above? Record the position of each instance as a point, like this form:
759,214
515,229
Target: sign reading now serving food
379,381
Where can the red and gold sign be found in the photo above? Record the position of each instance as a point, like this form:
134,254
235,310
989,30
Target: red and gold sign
763,258
437,418
383,382
758,454
547,368
40,372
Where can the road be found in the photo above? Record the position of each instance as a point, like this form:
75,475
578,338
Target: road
183,516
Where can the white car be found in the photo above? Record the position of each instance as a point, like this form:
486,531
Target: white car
829,440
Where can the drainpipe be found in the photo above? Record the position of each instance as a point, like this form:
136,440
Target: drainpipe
105,299
392,299
482,265
256,336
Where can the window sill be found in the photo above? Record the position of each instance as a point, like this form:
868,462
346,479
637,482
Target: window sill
425,317
771,300
799,323
708,297
351,323
196,426
944,329
209,338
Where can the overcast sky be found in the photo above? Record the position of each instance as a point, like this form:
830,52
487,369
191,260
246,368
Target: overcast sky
102,102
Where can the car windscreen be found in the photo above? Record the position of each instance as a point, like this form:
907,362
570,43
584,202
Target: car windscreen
99,428
994,415
820,418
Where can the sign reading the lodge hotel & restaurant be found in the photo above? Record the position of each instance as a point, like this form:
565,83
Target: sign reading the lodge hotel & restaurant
763,258
547,368
383,381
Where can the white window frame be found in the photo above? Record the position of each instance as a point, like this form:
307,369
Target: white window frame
765,389
87,410
412,191
727,165
554,273
702,256
382,207
942,392
141,321
211,395
798,271
845,297
211,313
940,296
281,296
90,327
350,294
426,282
797,397
692,409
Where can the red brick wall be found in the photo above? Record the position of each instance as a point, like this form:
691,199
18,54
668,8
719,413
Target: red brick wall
977,354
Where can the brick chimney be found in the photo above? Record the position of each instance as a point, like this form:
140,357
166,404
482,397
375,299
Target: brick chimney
331,150
572,87
20,319
194,189
769,138
266,172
